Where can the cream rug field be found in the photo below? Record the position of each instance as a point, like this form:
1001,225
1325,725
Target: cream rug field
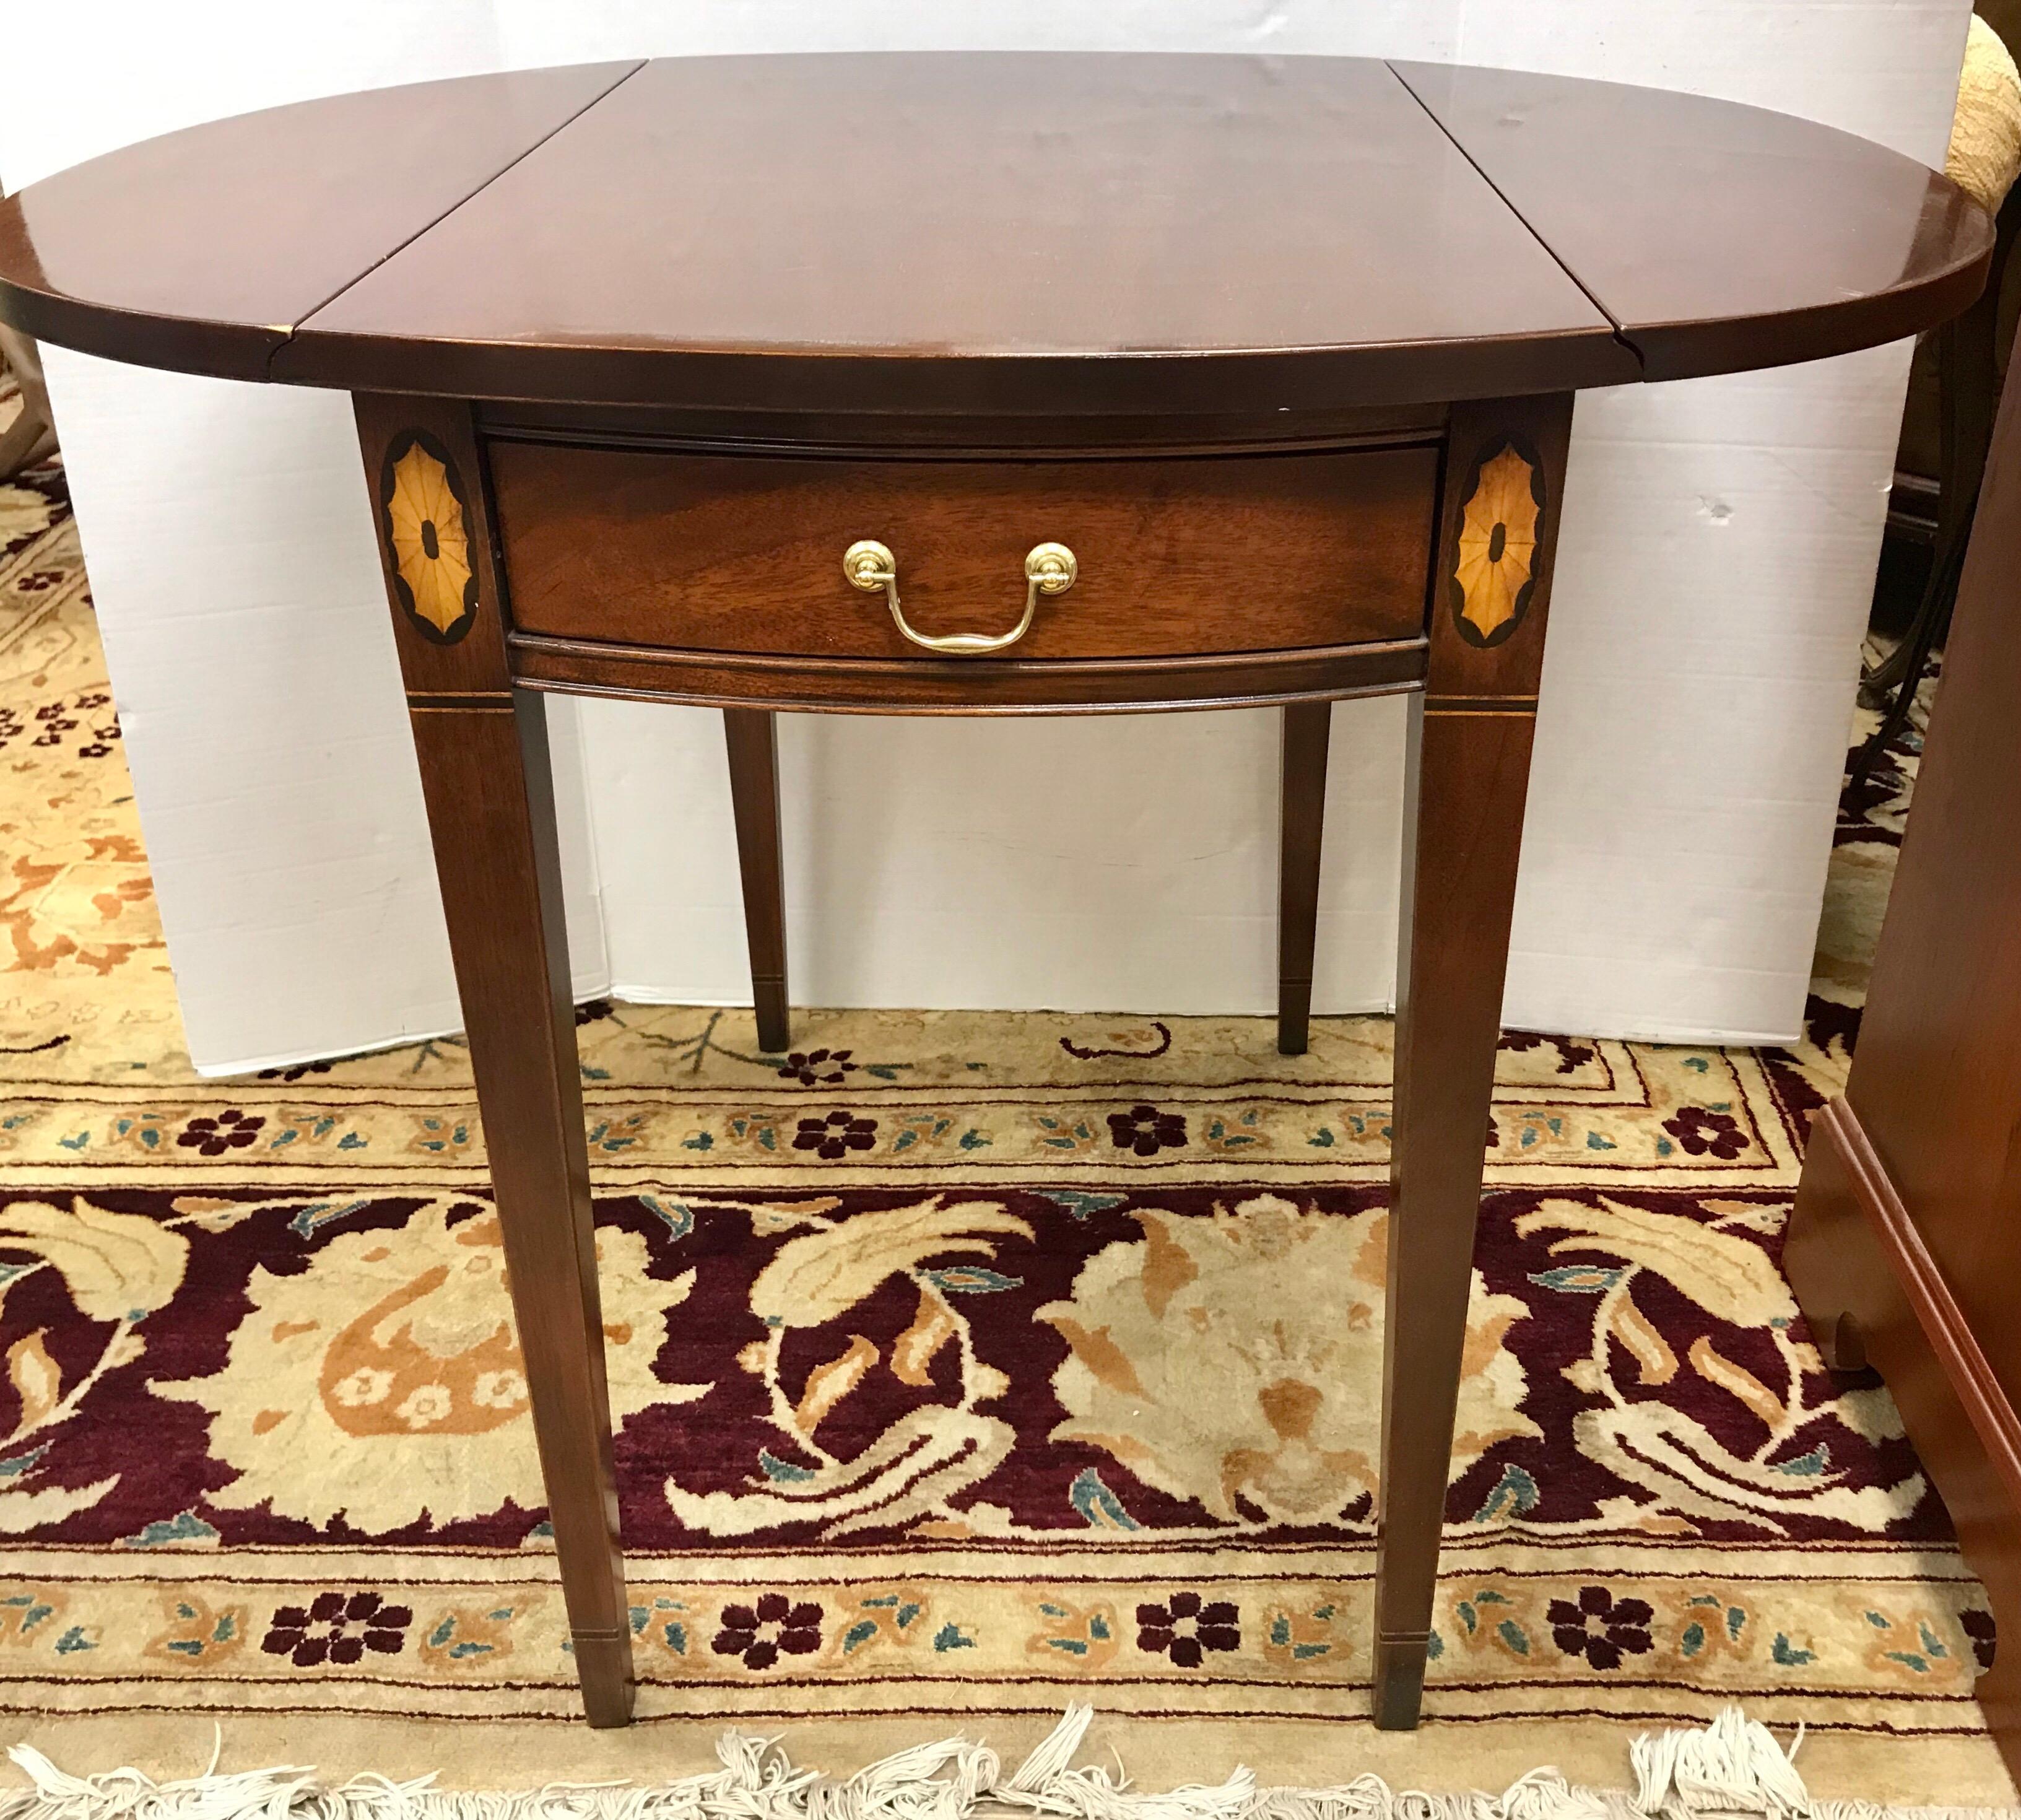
968,1366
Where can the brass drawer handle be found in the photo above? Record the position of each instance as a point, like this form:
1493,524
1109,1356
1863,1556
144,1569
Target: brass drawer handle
1049,568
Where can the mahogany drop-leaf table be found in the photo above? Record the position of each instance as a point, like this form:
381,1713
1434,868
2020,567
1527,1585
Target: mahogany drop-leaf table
981,383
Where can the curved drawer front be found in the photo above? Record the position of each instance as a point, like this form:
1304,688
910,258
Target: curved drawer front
1174,556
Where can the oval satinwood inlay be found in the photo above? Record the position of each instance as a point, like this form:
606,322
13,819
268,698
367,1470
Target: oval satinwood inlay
426,527
1493,575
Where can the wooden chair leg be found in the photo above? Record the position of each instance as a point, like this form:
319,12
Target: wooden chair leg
23,443
29,438
1307,726
1968,359
753,737
491,799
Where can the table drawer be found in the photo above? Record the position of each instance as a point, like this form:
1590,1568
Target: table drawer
1182,555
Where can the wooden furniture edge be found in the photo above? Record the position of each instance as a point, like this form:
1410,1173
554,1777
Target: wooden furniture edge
1377,374
221,347
1670,350
1029,436
210,349
1873,1295
1700,347
1940,1319
900,686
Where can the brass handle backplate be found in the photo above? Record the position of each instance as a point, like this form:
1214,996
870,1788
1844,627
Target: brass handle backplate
1049,568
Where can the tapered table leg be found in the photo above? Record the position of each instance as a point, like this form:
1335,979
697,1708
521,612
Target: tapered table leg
1469,772
752,736
1303,820
1464,810
484,775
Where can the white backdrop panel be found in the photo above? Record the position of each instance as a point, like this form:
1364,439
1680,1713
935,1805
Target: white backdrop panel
997,862
1718,549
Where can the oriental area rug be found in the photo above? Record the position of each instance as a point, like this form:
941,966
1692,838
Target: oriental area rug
966,1365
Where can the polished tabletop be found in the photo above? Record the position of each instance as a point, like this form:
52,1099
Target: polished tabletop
1051,232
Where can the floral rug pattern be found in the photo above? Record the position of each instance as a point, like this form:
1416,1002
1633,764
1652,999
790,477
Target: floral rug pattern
956,1358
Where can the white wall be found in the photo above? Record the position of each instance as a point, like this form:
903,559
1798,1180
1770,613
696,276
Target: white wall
1717,551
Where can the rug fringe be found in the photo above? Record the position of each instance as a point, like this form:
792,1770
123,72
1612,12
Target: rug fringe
1729,1769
